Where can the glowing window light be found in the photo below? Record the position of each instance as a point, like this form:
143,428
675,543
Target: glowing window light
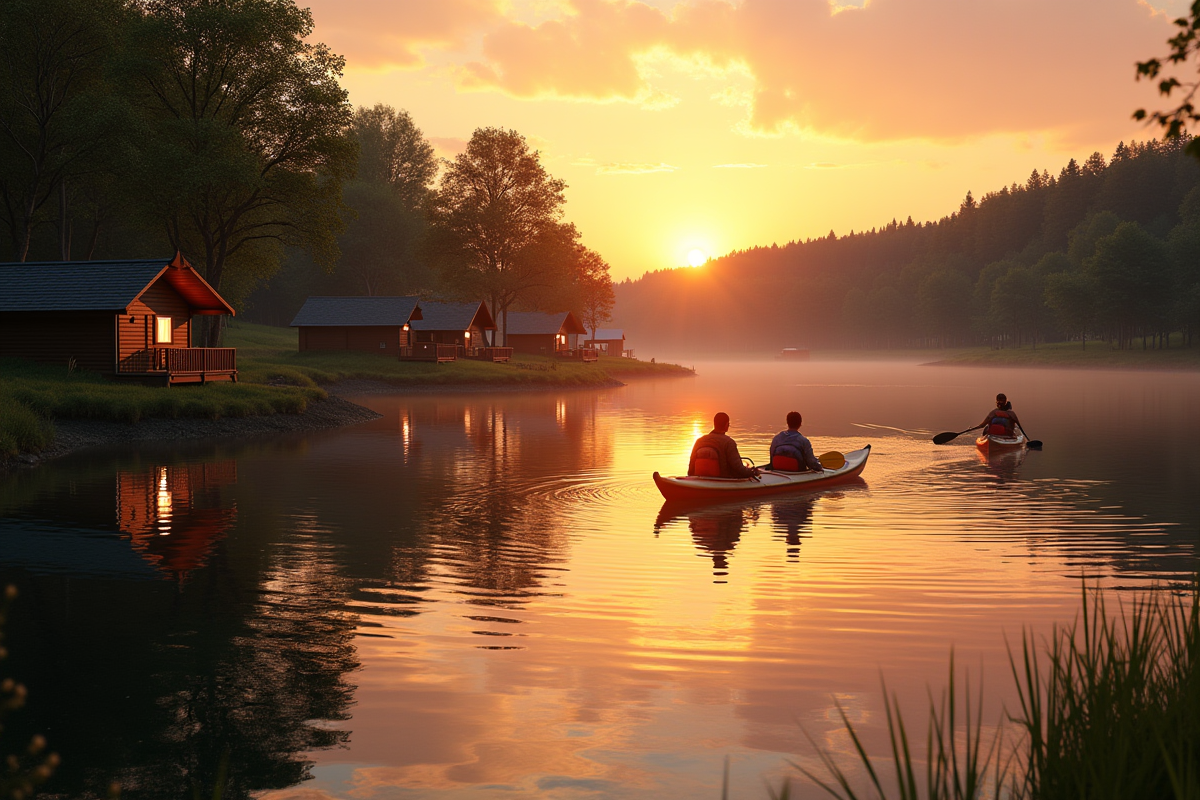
162,330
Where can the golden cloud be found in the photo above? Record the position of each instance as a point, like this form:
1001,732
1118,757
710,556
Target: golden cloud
888,70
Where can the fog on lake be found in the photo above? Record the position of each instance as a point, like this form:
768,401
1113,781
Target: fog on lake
483,594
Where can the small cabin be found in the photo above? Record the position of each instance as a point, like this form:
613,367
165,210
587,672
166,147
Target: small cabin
122,318
539,333
464,325
609,341
367,324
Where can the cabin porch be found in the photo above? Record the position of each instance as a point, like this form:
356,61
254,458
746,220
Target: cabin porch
585,354
493,354
431,352
172,365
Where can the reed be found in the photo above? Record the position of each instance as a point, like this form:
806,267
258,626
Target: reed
1109,708
22,430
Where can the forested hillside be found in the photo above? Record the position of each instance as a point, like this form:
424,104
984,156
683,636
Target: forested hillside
1105,250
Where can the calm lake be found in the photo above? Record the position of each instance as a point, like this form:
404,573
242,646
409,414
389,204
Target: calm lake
482,595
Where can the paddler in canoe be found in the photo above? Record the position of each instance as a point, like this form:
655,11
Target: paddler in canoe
1001,420
715,455
1001,430
791,451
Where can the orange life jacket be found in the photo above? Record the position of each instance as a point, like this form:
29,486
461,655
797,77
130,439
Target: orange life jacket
785,463
708,463
1000,424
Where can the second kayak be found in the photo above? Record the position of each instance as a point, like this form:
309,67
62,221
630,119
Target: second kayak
999,444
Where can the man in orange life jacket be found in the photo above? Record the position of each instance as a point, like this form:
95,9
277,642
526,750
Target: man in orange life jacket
715,455
791,451
1002,420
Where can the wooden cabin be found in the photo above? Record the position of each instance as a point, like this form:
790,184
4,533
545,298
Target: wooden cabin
123,318
367,324
609,341
464,325
539,333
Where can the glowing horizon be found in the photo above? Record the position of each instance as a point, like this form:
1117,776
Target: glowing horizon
719,126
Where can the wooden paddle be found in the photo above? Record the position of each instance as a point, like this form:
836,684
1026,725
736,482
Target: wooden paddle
832,460
1032,444
949,436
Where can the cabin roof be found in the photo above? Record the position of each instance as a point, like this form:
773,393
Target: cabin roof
454,317
357,312
102,285
608,334
538,322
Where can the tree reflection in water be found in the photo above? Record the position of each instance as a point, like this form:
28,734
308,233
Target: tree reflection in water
161,685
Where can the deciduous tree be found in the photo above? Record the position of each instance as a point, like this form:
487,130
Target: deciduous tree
496,221
246,139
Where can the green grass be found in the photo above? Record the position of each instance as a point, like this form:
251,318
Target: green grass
271,355
1109,708
1097,355
50,392
22,430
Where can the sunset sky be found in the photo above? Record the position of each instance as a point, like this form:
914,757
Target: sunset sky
718,125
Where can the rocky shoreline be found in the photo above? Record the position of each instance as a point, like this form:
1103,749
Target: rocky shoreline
364,386
75,434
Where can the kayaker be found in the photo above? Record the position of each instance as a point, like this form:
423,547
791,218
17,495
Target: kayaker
791,450
1002,420
715,455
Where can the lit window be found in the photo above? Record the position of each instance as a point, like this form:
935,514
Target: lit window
162,330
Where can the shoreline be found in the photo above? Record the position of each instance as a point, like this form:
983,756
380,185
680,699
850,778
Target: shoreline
73,435
333,411
370,386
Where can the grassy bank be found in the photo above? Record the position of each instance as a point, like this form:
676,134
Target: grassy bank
1097,355
33,395
271,355
1109,708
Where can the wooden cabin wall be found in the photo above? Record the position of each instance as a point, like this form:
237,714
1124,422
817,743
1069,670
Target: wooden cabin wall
136,329
55,337
365,338
534,343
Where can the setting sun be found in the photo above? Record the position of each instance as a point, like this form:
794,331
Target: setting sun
696,257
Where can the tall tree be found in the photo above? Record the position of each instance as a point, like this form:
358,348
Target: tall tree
247,134
380,250
392,150
496,220
56,109
596,297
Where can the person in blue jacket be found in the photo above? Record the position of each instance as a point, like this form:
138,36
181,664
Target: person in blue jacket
793,449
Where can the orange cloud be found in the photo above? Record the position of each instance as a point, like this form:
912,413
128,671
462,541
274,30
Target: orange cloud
891,69
395,33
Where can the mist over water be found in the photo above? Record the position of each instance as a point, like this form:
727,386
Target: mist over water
483,594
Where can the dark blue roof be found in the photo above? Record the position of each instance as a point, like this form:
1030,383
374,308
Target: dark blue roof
336,312
76,285
450,317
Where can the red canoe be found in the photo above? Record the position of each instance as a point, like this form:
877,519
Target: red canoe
769,482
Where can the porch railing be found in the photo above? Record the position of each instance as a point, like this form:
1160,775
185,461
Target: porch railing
490,353
429,351
180,361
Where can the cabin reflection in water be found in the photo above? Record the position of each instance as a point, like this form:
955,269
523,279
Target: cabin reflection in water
174,514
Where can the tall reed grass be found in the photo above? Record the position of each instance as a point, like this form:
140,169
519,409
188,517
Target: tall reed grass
22,430
1109,708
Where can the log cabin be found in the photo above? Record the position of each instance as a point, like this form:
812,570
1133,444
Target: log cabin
609,341
129,319
367,324
539,333
464,325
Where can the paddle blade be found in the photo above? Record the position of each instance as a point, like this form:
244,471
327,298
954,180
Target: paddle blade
1035,444
832,460
948,436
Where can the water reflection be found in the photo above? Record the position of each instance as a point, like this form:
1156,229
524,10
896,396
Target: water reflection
166,685
174,514
462,598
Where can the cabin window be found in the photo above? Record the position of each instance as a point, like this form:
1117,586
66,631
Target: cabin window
162,330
